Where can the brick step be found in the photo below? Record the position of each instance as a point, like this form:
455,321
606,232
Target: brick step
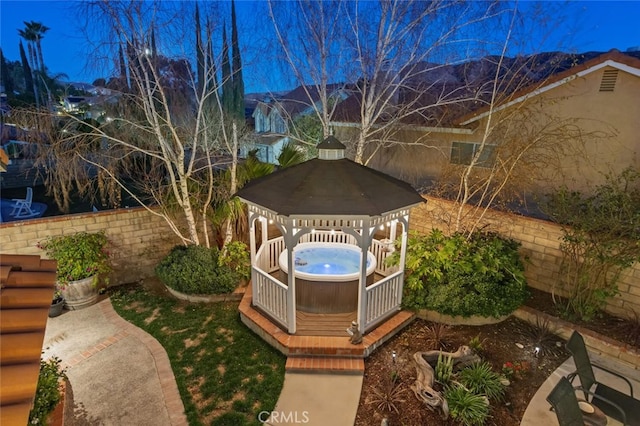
324,365
328,346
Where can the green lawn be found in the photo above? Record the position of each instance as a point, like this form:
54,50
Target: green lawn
225,373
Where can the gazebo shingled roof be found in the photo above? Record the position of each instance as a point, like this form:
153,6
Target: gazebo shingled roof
330,187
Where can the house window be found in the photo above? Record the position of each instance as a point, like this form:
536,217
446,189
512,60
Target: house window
463,153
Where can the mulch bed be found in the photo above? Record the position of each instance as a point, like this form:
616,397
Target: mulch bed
625,330
499,347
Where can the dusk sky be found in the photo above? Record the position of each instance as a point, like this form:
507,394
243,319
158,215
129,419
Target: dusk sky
603,25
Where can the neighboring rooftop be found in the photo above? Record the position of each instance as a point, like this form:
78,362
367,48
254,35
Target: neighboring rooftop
441,95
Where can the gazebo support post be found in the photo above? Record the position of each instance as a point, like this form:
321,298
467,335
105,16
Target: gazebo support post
363,238
403,246
252,247
403,251
291,237
393,230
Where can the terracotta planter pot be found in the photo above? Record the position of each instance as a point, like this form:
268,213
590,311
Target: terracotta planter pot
80,294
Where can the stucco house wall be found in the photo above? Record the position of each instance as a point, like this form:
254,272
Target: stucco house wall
607,141
615,112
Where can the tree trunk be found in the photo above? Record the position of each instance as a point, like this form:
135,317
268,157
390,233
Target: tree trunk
228,231
34,73
425,375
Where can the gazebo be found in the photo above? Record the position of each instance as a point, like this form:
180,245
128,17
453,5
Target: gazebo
327,210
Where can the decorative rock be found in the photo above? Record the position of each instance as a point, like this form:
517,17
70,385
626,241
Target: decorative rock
520,345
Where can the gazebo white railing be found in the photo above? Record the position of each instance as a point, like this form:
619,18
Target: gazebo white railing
270,295
383,297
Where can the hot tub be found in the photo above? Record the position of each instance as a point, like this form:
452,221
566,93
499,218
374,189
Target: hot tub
327,276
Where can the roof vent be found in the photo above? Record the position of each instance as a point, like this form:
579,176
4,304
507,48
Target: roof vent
331,149
608,83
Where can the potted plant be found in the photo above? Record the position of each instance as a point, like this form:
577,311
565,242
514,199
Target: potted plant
57,303
82,259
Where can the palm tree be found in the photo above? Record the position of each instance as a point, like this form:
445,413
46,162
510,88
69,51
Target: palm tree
29,36
37,29
290,156
33,34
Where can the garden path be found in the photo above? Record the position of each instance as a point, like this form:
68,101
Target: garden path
119,374
317,399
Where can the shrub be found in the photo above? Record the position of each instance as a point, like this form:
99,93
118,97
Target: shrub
47,391
515,370
461,275
476,344
389,396
444,369
196,270
466,407
236,257
437,335
601,238
480,379
542,335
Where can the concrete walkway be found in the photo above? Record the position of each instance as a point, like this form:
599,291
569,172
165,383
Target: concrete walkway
317,400
537,413
119,374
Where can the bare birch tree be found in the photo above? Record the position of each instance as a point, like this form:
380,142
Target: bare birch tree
424,64
524,141
166,138
384,50
309,36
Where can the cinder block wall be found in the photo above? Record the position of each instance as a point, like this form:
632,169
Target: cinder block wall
138,238
540,246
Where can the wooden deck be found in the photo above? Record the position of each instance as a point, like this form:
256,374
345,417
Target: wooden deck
321,344
308,324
